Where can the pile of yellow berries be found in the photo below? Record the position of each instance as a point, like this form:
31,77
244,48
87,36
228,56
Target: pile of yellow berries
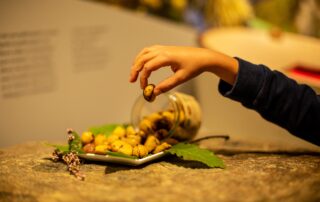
125,140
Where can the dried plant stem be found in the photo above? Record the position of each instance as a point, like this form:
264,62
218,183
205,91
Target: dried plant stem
225,137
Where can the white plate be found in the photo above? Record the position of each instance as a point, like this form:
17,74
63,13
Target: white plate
121,160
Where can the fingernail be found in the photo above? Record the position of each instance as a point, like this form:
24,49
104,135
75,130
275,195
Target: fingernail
130,79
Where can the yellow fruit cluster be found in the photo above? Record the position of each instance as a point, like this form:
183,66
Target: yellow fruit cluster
125,140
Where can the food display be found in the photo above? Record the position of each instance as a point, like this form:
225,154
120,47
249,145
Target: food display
166,129
150,138
177,113
155,132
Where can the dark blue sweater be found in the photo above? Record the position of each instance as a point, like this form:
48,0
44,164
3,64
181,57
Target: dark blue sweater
277,98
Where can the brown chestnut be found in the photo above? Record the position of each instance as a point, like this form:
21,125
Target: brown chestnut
148,93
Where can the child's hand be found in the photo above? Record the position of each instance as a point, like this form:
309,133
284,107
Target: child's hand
185,62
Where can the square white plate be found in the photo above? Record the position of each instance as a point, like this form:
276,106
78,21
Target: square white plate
121,160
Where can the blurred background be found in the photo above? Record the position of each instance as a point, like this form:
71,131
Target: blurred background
66,63
300,16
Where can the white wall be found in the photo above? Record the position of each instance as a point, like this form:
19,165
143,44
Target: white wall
78,65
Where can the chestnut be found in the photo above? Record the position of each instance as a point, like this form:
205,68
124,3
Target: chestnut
148,93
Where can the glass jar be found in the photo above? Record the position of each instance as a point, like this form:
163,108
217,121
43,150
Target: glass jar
181,109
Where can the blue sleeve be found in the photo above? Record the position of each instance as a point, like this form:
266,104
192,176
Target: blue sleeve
277,98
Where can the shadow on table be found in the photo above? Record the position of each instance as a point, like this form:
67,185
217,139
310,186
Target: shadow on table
112,168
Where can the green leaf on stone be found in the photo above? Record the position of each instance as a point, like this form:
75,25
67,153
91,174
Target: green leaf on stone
194,153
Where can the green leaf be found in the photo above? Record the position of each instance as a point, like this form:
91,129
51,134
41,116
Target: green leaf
61,148
104,129
119,154
194,153
76,145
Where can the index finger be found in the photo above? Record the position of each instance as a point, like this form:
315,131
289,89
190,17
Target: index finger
168,84
139,64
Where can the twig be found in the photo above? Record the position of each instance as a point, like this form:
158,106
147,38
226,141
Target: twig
225,137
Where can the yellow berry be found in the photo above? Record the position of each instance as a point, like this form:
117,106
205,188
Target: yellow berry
101,149
151,143
126,149
161,147
116,145
89,148
154,117
100,139
121,146
112,138
133,140
120,131
146,126
168,115
87,137
182,117
130,130
140,151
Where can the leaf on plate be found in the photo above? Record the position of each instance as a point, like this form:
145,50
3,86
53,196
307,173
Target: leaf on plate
76,145
103,129
193,152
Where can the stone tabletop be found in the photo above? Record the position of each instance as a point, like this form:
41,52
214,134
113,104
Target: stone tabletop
28,174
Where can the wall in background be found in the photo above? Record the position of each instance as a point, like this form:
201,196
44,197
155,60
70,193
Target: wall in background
66,64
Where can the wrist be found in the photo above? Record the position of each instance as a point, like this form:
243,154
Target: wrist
224,66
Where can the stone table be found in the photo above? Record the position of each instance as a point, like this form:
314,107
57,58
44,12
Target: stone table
27,174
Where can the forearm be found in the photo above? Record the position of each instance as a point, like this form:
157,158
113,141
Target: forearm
278,99
225,67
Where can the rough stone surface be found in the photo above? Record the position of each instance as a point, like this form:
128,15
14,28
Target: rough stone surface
27,174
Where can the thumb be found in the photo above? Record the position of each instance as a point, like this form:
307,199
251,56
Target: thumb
168,84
